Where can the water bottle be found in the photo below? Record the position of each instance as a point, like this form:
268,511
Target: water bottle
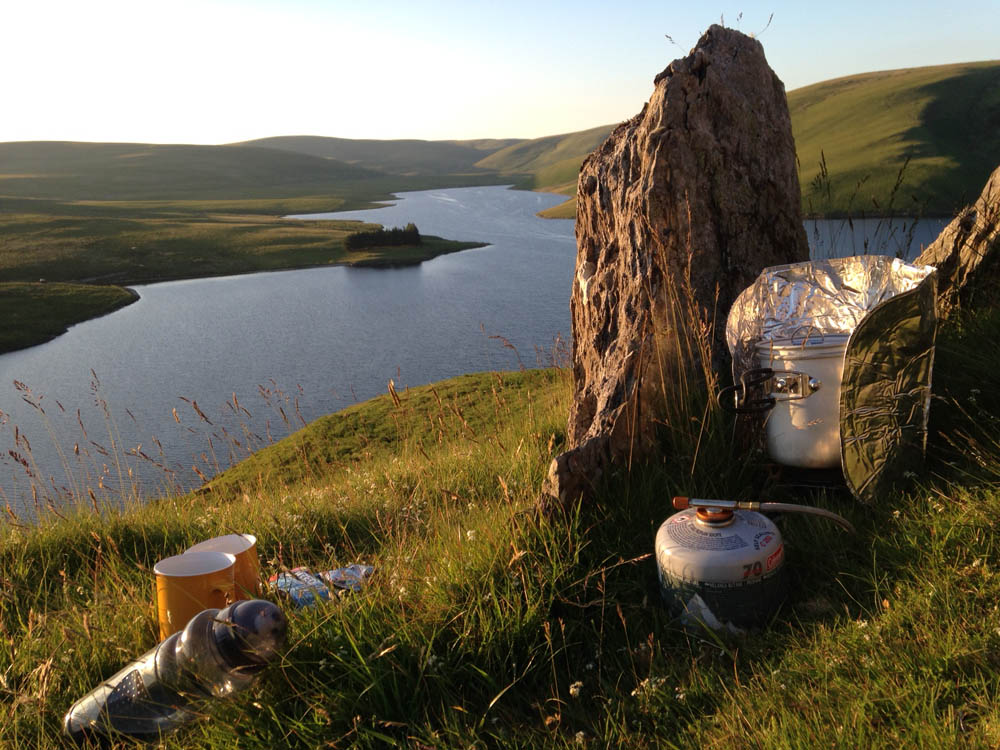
218,653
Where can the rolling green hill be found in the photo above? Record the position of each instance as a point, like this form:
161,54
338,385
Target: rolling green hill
945,119
552,161
406,157
129,171
126,212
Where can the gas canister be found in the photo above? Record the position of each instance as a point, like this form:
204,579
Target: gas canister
721,563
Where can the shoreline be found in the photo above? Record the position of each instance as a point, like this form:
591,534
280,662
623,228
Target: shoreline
35,331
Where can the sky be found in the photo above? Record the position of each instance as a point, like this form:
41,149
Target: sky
222,71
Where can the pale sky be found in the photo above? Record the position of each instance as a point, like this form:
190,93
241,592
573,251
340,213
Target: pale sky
218,71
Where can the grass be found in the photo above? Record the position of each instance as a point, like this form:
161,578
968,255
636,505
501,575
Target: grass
487,624
35,312
867,126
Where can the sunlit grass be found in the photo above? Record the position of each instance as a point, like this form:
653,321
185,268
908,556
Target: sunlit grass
487,623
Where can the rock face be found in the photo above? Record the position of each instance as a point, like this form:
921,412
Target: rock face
677,212
967,253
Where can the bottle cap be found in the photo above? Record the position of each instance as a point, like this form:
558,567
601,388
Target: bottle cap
250,632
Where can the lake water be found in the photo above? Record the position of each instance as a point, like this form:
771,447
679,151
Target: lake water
154,384
903,238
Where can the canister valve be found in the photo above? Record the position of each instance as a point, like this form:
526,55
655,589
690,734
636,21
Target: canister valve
681,503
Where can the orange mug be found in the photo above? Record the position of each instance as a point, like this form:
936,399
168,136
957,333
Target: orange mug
244,548
190,583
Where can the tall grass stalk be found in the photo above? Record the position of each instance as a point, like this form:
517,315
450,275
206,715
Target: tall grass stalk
891,235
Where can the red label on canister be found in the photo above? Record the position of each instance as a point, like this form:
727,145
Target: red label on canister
775,559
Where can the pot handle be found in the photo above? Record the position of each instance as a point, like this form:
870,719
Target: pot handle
736,398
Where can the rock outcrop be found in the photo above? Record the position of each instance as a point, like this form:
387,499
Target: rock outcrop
678,211
967,253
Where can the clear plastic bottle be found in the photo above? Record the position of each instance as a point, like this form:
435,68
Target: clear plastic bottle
218,653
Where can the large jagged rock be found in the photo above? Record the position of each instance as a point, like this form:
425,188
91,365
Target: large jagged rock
677,212
967,253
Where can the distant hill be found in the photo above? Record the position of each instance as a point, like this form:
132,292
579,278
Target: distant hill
553,161
129,171
946,119
405,157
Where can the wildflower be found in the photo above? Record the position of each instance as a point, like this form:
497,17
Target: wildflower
648,686
470,534
575,689
581,738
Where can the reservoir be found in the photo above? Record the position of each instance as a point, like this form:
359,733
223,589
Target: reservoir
290,346
198,373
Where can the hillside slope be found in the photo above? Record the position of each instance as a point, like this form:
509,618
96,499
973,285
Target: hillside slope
553,161
945,119
852,135
405,157
130,171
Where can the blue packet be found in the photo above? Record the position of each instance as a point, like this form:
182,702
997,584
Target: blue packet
300,586
350,578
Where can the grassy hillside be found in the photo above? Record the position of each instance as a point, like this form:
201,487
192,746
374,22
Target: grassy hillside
406,157
553,161
945,119
487,624
129,171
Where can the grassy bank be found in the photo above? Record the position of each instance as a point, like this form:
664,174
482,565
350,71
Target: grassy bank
37,312
489,625
106,243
